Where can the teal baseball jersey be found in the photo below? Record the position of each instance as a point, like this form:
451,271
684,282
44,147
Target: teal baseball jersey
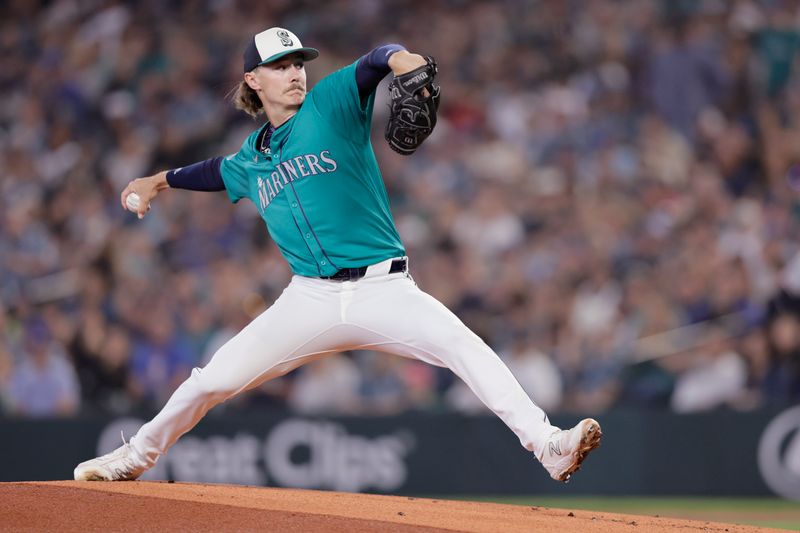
318,186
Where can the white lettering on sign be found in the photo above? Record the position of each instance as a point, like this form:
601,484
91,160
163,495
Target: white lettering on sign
217,459
332,458
779,454
295,453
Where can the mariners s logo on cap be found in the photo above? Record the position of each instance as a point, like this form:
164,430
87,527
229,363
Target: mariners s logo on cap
285,39
271,45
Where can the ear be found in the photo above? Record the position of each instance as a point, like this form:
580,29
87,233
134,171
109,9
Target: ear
251,81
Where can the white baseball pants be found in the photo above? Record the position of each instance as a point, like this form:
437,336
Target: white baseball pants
313,317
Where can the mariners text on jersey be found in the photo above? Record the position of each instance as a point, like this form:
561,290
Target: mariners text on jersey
296,168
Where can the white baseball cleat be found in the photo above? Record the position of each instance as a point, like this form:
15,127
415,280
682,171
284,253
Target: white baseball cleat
566,449
119,465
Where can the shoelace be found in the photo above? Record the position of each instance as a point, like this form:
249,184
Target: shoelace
125,457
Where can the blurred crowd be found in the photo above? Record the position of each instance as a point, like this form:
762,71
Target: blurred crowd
610,200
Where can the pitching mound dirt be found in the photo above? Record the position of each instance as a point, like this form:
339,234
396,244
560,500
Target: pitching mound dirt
147,506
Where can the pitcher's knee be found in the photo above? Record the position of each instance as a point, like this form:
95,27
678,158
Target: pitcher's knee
213,388
455,349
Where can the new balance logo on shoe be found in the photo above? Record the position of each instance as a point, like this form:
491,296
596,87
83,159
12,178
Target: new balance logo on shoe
555,448
566,449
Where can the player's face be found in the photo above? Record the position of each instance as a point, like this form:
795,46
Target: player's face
283,81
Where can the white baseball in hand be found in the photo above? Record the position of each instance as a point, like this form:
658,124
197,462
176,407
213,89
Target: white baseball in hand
132,202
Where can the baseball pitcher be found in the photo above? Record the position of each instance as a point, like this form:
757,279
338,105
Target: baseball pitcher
311,172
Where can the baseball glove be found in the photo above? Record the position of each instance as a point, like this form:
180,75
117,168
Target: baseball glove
412,115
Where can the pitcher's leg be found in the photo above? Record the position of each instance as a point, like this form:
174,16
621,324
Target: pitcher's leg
281,338
222,378
407,321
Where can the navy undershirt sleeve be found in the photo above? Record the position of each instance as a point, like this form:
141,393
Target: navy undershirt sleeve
202,176
373,67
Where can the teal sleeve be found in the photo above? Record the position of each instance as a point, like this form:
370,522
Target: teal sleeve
234,175
336,98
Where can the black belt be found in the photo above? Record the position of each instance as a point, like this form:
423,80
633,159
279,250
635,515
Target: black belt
352,274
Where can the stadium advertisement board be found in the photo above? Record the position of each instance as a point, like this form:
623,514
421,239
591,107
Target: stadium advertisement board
643,453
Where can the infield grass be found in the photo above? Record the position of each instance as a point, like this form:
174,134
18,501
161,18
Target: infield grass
764,512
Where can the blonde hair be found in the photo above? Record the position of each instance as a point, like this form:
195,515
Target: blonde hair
246,99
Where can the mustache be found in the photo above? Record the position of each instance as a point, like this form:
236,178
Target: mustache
294,86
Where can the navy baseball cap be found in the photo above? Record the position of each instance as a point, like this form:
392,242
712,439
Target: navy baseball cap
271,45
